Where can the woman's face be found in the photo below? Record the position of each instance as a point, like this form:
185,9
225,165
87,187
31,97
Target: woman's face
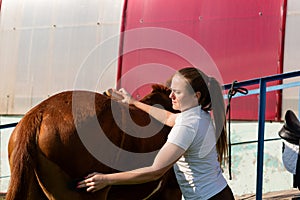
182,97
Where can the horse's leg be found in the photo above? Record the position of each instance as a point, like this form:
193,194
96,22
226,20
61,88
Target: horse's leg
34,190
58,185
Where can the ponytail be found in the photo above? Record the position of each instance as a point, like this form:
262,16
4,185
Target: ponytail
219,115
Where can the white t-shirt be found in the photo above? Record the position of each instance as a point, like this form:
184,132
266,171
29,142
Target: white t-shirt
198,171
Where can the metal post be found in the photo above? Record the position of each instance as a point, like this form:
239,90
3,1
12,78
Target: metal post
299,105
260,145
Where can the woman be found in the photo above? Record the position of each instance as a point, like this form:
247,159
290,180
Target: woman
195,147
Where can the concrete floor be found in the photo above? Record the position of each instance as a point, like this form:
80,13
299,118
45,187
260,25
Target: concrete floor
280,195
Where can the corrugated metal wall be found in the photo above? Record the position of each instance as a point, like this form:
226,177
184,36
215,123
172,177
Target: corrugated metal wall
230,40
50,46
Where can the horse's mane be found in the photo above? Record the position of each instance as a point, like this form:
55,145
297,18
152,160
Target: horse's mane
160,88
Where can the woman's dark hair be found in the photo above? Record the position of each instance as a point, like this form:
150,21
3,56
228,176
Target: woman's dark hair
211,98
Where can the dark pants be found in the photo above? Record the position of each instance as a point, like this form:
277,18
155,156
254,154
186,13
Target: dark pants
225,194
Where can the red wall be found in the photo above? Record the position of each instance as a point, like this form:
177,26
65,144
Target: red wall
228,39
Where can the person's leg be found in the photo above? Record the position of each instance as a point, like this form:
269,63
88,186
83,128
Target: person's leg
225,194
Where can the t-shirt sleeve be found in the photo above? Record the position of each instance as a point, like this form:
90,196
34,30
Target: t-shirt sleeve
182,136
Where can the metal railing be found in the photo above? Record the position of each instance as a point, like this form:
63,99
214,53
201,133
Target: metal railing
261,115
11,125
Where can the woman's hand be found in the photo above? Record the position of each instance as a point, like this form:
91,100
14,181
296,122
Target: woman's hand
93,182
127,98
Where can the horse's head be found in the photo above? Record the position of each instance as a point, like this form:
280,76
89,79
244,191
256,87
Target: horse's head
159,95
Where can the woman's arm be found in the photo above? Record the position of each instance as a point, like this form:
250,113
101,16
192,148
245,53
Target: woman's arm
164,116
164,160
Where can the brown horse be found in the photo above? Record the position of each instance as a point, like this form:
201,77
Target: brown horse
74,133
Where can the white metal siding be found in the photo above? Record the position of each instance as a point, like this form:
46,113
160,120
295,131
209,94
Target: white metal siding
50,46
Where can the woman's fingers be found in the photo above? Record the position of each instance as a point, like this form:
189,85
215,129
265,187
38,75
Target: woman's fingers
90,175
88,181
114,94
92,182
84,183
123,91
90,189
122,95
